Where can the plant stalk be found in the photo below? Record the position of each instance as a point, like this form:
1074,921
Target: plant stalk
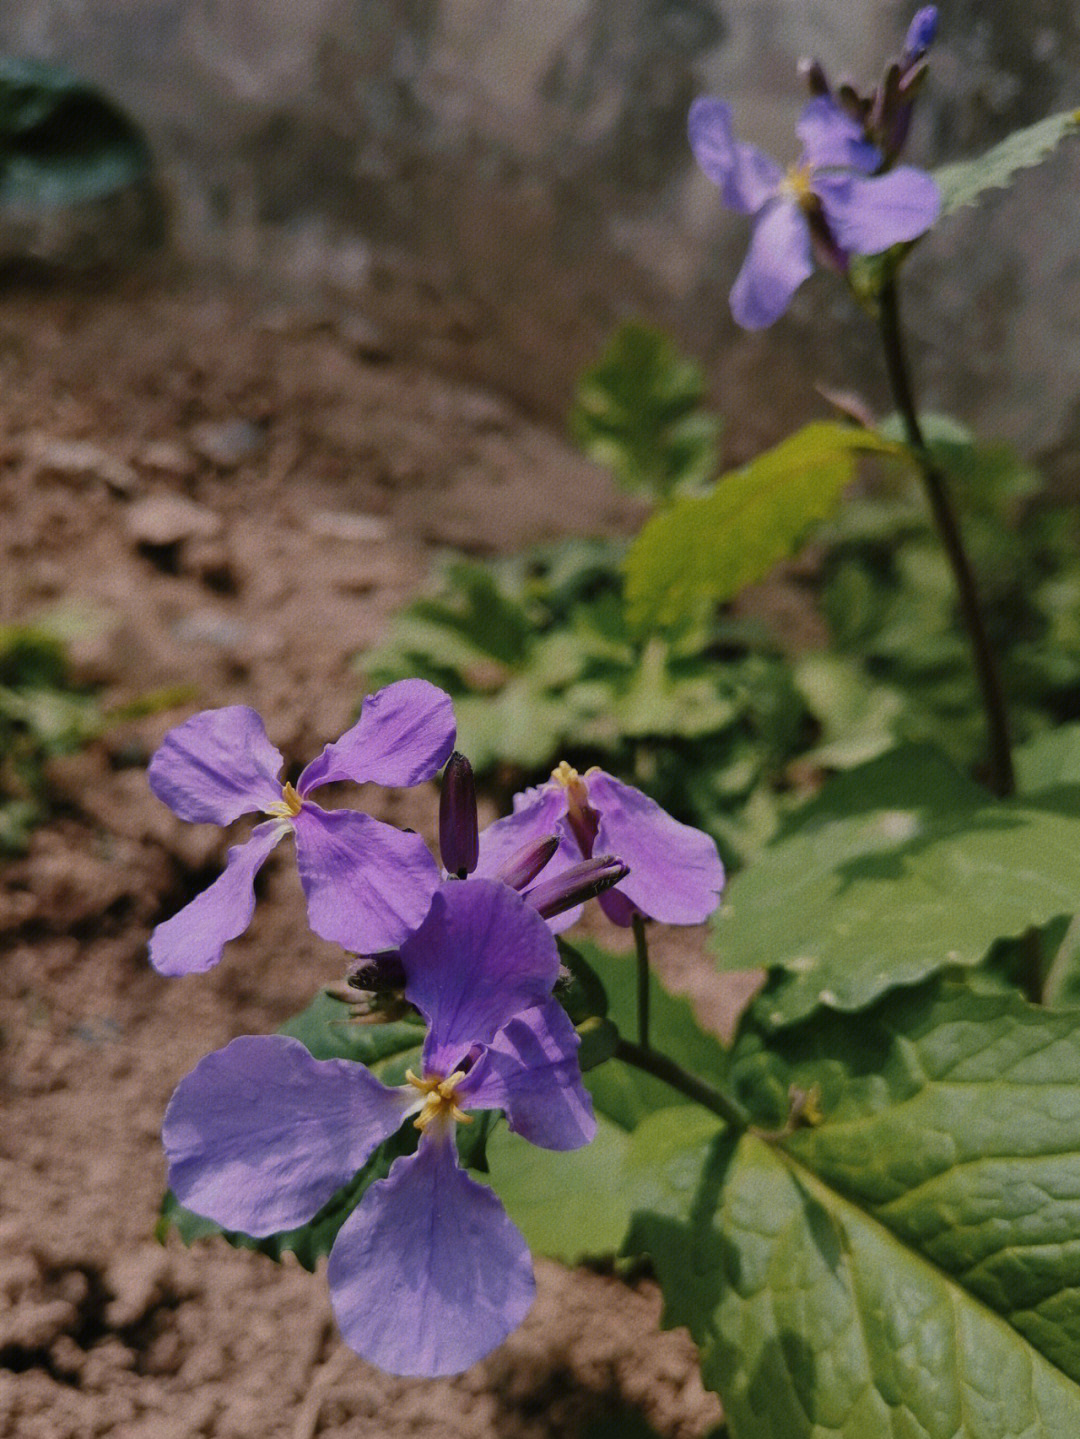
1002,779
666,1070
641,951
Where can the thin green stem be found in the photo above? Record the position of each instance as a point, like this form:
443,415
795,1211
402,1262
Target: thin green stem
662,1068
641,950
1002,779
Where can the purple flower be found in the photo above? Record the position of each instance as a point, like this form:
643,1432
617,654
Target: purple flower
830,202
675,874
367,883
428,1274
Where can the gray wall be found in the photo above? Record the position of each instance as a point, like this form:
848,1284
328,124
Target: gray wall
500,181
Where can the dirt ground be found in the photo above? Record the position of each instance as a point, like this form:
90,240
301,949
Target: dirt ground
235,497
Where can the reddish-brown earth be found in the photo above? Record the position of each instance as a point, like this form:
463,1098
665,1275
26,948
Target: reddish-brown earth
317,474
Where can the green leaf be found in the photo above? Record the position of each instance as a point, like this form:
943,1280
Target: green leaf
708,549
638,412
650,1139
61,142
909,1266
900,868
967,181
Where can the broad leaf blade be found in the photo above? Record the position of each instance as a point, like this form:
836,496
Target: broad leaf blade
706,550
910,1265
966,182
901,868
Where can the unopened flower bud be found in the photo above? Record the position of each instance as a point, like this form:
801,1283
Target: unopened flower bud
812,74
576,884
526,863
920,35
459,841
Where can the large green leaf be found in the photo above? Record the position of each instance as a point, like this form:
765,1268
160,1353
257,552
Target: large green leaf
650,1139
966,182
900,868
909,1268
61,142
708,549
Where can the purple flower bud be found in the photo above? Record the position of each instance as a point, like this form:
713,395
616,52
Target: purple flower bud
459,835
920,35
576,884
526,863
812,73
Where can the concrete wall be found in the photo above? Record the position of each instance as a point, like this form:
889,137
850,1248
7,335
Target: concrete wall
500,181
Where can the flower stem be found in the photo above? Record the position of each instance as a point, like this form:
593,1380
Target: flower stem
641,950
1002,780
662,1068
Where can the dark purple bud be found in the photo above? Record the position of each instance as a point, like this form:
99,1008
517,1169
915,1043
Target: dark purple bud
377,973
850,100
576,884
886,101
921,33
459,837
523,867
812,74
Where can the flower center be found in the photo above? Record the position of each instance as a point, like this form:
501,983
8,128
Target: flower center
288,806
440,1098
796,183
583,818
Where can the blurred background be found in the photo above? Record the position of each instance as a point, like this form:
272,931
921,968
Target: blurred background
502,182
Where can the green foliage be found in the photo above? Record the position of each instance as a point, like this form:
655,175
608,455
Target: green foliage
536,652
638,411
900,868
909,1265
42,714
61,142
900,669
966,182
704,551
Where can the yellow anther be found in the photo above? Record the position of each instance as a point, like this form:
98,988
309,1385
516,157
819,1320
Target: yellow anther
288,806
577,791
440,1098
796,183
565,774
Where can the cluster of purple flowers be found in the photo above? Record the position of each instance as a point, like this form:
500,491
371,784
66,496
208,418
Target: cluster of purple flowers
428,1274
842,197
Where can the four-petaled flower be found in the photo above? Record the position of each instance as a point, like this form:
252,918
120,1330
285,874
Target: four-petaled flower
675,871
367,884
831,202
428,1274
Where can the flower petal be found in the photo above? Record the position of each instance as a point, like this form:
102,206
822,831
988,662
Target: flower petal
675,871
480,957
367,883
193,940
867,216
217,766
530,1071
404,735
830,136
537,812
747,177
429,1274
260,1135
776,264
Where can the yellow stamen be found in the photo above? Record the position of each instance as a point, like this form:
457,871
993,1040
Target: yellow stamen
441,1098
796,183
577,792
288,806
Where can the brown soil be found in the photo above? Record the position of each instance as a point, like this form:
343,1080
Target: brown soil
305,526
